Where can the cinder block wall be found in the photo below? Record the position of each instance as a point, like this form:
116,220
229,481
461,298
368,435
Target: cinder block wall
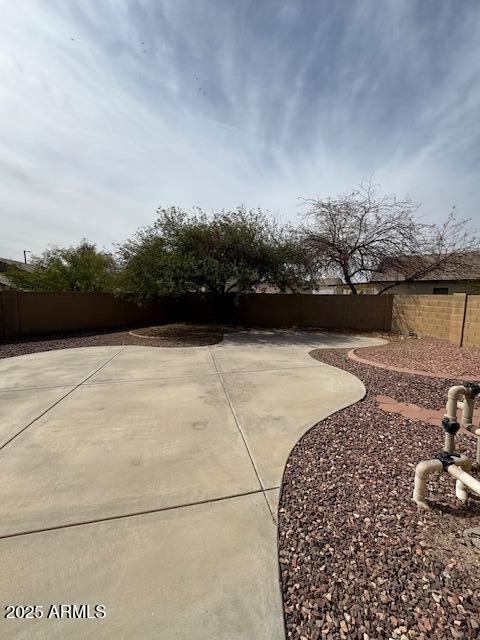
471,332
436,316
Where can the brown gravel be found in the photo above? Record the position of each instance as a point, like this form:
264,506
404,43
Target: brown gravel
427,354
357,560
172,335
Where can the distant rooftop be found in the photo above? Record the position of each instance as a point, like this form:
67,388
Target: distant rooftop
6,263
469,269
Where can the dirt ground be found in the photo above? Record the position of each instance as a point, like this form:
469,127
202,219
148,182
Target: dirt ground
169,335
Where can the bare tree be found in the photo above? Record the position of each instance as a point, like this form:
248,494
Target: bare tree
364,235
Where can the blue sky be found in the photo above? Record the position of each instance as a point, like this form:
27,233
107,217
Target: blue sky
110,108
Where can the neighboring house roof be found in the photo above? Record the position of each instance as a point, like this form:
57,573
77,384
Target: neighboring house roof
266,288
328,282
314,286
4,281
469,269
5,265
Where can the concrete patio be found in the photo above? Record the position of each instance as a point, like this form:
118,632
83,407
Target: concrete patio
147,480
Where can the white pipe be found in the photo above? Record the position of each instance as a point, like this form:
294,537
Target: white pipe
476,431
464,478
467,410
460,488
449,443
467,406
461,491
426,467
454,393
422,471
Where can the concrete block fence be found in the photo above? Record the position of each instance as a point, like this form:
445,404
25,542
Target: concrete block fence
453,318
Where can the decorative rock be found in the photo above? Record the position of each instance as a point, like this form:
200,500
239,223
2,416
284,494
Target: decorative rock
387,571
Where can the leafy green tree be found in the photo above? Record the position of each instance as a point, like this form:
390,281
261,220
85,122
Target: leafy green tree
221,253
81,268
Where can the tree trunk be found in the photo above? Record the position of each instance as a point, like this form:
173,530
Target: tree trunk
350,283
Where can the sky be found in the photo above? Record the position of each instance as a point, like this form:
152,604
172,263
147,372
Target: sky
112,108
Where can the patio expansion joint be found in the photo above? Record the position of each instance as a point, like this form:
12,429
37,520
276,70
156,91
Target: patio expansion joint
54,404
239,427
6,390
133,514
194,376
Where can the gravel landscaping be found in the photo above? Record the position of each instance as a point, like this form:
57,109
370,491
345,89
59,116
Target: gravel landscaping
170,335
427,354
357,560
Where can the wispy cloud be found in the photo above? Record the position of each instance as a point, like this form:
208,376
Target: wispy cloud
111,108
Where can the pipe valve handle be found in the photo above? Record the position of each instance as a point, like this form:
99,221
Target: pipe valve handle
450,426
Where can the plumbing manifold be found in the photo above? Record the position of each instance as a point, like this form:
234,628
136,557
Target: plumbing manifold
457,465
